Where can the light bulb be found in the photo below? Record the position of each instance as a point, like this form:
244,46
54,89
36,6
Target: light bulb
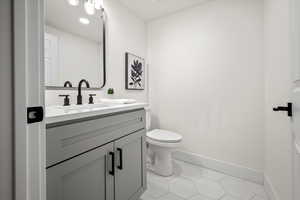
89,6
98,4
73,2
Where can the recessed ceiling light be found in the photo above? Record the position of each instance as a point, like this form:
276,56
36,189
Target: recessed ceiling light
84,20
73,2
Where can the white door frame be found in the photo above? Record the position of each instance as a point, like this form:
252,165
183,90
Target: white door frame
295,43
30,183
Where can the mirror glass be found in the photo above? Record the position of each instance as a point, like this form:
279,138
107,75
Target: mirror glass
74,44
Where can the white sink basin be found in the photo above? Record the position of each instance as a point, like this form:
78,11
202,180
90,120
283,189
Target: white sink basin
73,109
104,103
82,107
63,113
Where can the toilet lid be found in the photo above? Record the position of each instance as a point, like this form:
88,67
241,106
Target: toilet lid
164,136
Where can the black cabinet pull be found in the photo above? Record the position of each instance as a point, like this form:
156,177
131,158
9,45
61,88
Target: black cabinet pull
120,166
112,171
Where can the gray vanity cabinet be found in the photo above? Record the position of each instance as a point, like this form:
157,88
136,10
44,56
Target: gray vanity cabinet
83,177
130,180
97,159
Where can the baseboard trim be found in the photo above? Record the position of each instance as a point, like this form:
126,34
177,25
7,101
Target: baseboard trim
221,166
269,188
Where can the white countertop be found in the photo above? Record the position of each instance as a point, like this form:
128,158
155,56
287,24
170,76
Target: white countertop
56,114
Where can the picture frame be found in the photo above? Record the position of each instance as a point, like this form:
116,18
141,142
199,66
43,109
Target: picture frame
134,72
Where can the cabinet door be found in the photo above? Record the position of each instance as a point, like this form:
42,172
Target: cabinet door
130,178
86,176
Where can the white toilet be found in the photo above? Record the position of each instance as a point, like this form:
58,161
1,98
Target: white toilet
161,144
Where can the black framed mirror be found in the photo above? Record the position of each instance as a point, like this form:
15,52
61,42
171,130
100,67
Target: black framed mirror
75,45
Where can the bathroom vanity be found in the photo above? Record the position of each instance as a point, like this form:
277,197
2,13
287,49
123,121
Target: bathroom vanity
96,153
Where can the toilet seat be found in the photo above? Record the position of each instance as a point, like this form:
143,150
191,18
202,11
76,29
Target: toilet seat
164,136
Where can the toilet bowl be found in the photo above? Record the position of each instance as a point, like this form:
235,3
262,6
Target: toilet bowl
161,144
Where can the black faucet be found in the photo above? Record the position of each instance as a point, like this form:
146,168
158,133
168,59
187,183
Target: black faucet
68,84
79,96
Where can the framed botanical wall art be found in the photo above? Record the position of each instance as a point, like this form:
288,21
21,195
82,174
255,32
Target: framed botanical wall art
135,72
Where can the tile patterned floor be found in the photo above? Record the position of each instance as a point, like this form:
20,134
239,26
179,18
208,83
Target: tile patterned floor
191,182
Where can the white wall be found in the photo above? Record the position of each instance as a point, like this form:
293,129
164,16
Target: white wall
278,151
207,79
6,89
125,32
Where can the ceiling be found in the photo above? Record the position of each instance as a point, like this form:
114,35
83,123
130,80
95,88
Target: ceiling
151,9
